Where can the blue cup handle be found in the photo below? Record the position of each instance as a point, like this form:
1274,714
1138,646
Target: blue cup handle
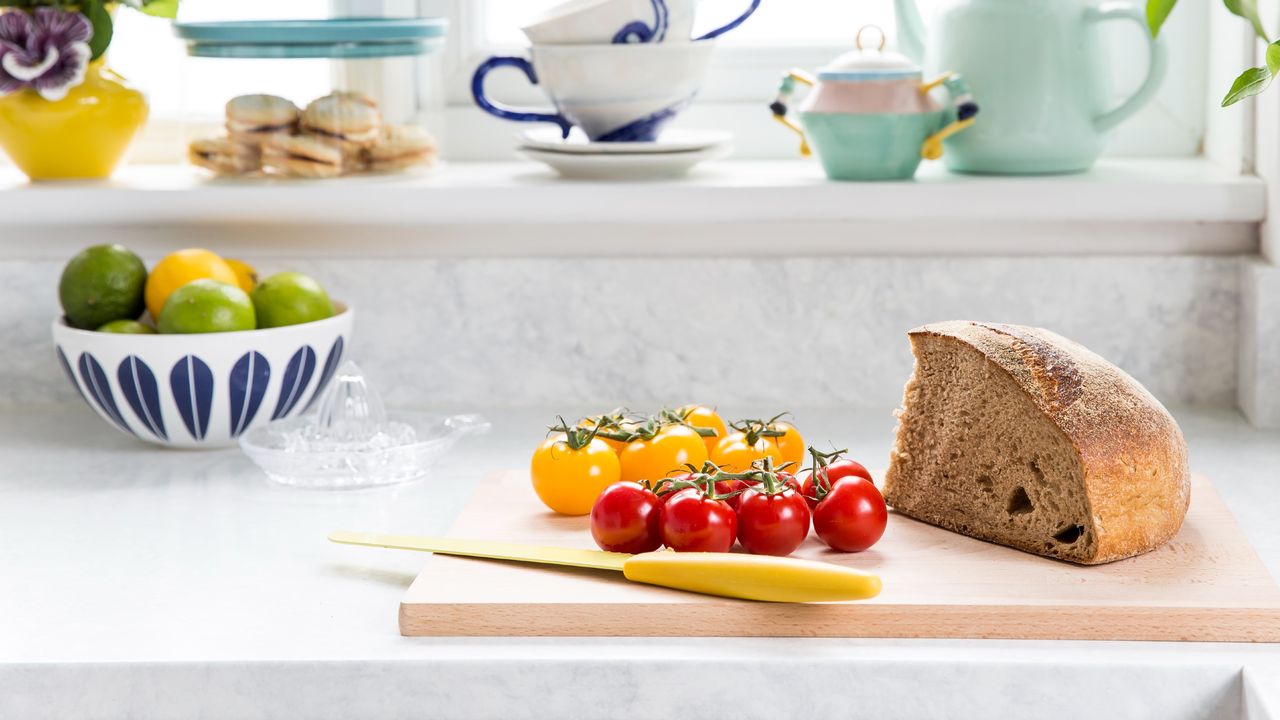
733,25
512,113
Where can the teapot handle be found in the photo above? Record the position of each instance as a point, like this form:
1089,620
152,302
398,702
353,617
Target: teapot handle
959,116
779,105
1156,65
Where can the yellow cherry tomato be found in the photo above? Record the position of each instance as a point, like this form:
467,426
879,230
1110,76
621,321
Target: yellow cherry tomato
667,453
791,445
704,417
734,454
617,445
567,480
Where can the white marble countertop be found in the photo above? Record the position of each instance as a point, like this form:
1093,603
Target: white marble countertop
146,583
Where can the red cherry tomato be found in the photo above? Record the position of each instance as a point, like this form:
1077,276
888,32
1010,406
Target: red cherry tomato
852,517
772,524
691,522
724,487
665,487
625,519
836,471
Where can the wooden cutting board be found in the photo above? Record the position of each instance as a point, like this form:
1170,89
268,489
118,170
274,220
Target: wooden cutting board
1208,584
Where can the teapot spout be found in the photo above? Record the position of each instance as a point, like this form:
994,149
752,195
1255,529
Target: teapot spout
911,30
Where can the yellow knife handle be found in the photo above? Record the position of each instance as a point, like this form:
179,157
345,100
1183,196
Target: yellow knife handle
752,577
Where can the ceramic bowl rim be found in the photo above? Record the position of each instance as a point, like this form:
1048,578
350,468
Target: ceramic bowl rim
342,314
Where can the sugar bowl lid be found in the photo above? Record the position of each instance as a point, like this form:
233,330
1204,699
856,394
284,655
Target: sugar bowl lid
869,62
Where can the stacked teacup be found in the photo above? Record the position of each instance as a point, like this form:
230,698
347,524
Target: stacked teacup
619,70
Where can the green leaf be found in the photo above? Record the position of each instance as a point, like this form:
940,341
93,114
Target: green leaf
1251,82
100,19
1273,58
1157,12
1247,9
161,8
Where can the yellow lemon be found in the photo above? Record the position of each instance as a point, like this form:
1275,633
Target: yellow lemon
178,269
246,275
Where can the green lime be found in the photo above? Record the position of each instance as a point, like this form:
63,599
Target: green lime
100,284
206,306
127,327
290,298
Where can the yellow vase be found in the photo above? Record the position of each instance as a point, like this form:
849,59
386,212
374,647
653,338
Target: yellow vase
83,135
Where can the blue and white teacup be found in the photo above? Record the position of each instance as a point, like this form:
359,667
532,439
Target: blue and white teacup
614,93
603,22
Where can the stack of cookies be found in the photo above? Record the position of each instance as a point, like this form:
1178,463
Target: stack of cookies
339,134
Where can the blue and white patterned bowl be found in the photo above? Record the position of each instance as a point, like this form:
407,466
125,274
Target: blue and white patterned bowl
202,391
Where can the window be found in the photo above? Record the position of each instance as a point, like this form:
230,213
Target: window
783,34
808,33
776,23
140,40
176,99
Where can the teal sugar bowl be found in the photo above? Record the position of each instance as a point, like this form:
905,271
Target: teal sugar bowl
871,116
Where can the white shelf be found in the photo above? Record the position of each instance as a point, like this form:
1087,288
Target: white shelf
1167,206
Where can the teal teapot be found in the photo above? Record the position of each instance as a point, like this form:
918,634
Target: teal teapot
1041,69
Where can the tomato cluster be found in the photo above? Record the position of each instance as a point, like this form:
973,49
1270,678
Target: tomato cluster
572,466
686,480
767,511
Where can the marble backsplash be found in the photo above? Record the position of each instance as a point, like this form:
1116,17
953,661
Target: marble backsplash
1259,369
802,332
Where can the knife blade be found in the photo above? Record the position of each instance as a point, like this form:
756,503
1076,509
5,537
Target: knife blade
733,575
488,549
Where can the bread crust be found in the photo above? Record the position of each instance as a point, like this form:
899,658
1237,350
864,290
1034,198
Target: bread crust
1137,482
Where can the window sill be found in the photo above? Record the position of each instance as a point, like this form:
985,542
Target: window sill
1151,206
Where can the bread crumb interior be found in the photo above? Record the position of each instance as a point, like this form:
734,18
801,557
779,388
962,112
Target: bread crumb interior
975,455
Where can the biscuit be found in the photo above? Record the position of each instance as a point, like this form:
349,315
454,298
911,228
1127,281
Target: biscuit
400,147
354,155
225,156
349,120
252,118
301,156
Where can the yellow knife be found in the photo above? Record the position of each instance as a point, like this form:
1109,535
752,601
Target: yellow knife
748,577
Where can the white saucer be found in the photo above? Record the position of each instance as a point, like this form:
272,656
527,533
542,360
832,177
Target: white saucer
634,166
548,139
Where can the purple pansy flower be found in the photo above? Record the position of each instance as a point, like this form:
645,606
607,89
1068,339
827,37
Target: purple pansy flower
47,51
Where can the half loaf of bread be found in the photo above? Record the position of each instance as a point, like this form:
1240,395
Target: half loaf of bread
1021,437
